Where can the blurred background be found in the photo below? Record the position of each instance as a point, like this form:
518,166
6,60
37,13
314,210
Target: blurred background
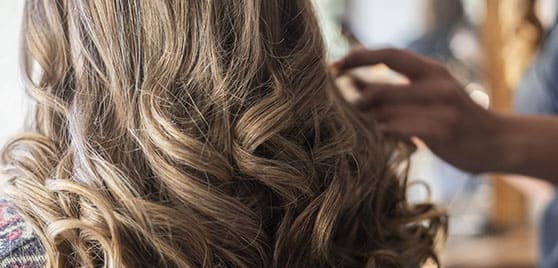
487,44
12,96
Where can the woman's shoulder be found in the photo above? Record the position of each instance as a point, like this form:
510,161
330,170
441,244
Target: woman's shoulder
19,246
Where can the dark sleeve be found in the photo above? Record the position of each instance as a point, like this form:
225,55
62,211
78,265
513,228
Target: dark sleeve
19,247
538,91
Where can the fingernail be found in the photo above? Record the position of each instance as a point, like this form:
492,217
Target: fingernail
334,70
337,64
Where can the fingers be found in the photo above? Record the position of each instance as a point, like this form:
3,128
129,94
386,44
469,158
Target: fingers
377,94
408,121
407,128
404,62
399,129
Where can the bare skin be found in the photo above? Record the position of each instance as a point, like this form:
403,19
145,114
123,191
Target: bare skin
435,108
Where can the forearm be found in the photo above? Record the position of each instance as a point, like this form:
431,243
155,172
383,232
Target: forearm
434,107
528,146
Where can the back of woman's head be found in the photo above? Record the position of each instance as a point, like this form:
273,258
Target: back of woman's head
202,134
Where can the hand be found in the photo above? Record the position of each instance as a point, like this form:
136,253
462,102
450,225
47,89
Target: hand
433,107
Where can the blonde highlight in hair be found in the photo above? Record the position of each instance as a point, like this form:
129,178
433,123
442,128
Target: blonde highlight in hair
180,133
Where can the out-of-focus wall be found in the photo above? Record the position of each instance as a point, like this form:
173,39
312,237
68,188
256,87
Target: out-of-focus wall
387,23
12,96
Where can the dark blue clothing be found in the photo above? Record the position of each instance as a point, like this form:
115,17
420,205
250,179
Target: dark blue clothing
538,94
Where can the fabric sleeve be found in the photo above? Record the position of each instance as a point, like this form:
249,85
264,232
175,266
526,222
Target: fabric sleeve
538,91
19,246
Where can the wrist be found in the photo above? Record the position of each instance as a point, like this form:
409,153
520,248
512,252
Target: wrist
509,143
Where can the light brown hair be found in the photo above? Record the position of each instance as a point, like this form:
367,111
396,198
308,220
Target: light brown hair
174,133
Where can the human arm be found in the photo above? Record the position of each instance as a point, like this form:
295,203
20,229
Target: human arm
435,108
533,140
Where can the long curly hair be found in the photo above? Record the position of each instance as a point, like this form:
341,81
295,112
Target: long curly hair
177,133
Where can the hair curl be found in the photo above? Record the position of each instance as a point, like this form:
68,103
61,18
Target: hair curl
179,133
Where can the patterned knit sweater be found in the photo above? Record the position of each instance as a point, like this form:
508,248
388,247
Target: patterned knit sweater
19,247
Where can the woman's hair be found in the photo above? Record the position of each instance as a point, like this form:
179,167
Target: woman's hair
178,133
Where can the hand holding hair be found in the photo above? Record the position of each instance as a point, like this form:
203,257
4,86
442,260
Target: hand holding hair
435,108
